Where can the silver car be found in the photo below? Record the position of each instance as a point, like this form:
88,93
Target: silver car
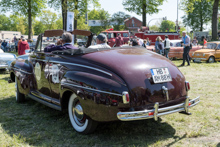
6,59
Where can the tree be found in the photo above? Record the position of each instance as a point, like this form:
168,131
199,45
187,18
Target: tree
79,7
154,28
18,23
142,7
190,6
119,18
200,15
4,23
167,26
28,8
102,15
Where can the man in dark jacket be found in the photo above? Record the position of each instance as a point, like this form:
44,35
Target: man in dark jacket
22,47
4,44
119,40
66,43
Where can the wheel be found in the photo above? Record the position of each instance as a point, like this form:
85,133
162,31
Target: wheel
80,122
19,96
211,59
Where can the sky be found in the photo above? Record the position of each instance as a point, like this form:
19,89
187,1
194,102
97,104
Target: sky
168,9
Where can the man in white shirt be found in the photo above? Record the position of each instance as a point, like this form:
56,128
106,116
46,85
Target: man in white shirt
101,42
166,46
141,41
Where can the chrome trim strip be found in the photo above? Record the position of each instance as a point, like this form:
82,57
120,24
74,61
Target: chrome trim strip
20,70
82,66
199,58
41,60
157,112
91,89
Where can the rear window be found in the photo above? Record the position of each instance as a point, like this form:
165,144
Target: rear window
125,34
211,45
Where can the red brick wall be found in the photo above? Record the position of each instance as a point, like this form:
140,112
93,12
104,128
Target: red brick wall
137,23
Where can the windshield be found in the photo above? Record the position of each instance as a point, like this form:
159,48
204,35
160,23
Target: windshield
211,45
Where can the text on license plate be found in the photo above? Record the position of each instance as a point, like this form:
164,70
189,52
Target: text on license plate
161,75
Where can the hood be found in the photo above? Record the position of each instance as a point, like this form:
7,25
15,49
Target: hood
133,65
7,56
205,51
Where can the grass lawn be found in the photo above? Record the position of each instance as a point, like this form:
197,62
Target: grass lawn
33,124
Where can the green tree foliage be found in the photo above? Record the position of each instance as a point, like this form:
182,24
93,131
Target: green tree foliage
167,26
154,28
188,6
28,8
102,15
142,7
200,15
79,7
82,25
47,20
18,23
119,18
4,23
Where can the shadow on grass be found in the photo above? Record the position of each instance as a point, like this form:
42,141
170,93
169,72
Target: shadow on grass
39,125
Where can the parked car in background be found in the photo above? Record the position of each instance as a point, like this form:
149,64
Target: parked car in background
101,85
6,59
210,54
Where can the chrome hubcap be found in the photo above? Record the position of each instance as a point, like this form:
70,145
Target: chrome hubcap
78,112
211,60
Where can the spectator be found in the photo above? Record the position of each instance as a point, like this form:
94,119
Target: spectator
101,42
20,40
141,41
157,43
166,46
194,42
186,45
62,44
4,45
148,42
161,47
145,44
204,42
119,40
16,45
135,41
22,47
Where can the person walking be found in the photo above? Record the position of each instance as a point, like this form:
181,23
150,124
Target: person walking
204,42
4,45
16,45
157,43
161,47
186,45
22,47
166,46
119,40
20,40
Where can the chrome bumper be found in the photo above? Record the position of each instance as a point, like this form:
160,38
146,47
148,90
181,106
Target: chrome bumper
157,112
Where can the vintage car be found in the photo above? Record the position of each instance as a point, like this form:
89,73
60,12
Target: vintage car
101,85
6,59
210,54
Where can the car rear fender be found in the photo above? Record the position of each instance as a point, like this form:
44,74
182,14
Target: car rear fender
99,96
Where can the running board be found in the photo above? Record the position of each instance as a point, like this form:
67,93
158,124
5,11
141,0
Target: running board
51,105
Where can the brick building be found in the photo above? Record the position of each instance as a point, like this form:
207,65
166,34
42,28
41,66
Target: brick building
133,24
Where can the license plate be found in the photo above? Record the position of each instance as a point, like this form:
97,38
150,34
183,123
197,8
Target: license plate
197,60
161,75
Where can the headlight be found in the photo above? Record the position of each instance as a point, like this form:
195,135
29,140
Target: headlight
203,55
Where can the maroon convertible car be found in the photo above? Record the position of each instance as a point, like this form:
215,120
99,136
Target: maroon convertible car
100,85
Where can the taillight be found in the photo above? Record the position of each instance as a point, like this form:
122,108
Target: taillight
125,97
187,86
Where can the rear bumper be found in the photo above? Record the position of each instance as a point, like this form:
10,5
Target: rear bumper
157,112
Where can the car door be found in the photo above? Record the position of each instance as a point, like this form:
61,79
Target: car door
39,59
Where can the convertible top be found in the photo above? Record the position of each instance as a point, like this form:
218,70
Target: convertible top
82,51
52,33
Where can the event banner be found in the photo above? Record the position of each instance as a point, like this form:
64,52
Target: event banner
70,25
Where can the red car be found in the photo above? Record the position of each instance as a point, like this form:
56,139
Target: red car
101,85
